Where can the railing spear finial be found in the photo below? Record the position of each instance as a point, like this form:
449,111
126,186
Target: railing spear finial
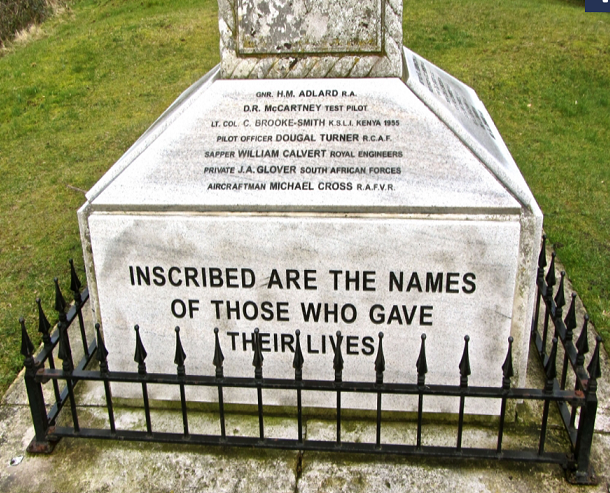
43,323
550,369
257,360
422,364
380,360
298,360
65,351
338,359
75,283
180,355
465,364
27,348
560,299
60,302
570,320
550,275
594,368
140,354
582,344
218,356
507,367
542,258
102,352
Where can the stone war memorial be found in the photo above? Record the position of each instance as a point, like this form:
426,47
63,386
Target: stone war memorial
322,178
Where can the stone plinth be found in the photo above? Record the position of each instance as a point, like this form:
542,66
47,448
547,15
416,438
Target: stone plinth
318,205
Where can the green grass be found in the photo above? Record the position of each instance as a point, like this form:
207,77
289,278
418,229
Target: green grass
72,101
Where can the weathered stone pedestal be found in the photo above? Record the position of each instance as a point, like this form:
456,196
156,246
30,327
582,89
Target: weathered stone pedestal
357,204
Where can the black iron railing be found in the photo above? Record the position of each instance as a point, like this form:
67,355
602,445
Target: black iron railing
579,401
42,420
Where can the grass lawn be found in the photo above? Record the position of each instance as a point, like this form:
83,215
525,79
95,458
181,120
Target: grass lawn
73,99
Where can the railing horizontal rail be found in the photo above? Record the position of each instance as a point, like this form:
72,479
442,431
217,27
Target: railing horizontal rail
314,445
576,397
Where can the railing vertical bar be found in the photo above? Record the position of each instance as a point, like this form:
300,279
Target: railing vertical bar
185,422
501,427
218,362
545,328
338,417
109,406
65,352
582,346
297,364
179,359
550,370
146,407
419,419
55,382
464,373
460,424
507,374
539,281
299,416
564,370
422,369
548,295
139,357
545,417
75,286
570,323
73,405
81,324
102,354
261,423
43,327
378,434
221,411
257,362
338,367
379,369
536,310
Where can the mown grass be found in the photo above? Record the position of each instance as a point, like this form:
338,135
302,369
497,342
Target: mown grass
74,100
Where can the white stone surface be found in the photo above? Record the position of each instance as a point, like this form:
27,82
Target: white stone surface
146,258
426,167
265,39
210,187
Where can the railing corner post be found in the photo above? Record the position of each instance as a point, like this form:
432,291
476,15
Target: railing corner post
583,472
40,444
